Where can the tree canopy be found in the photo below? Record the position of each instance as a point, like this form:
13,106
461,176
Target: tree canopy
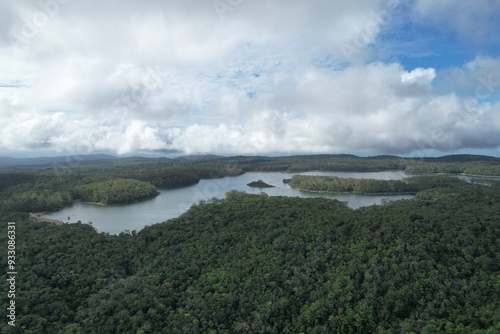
255,263
370,186
115,191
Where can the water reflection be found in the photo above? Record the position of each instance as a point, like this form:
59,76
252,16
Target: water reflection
174,202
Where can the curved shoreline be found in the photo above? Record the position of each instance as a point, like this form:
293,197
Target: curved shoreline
36,217
40,214
353,193
453,174
123,203
487,176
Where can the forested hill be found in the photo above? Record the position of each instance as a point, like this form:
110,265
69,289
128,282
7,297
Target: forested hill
467,164
188,166
259,264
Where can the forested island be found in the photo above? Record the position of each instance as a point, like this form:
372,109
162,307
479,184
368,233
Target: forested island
118,191
257,263
260,184
51,186
331,184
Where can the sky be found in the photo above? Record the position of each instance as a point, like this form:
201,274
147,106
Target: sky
366,77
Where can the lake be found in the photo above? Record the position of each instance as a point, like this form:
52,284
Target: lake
172,203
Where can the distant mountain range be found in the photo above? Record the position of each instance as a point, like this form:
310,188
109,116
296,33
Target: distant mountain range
92,158
199,157
462,158
106,158
70,159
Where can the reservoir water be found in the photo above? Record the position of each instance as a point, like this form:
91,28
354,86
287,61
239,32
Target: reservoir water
174,202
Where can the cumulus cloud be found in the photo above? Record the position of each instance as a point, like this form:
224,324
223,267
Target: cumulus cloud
251,77
475,20
325,113
421,76
476,81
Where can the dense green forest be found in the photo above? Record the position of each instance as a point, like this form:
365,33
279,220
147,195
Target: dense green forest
148,168
42,188
35,201
259,264
46,187
467,164
370,186
115,191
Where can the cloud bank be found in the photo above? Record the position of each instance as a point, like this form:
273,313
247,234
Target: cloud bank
237,77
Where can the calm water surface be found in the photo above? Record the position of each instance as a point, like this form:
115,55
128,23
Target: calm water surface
174,202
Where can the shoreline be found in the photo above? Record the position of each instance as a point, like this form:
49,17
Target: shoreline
354,193
452,174
40,214
36,218
487,176
124,203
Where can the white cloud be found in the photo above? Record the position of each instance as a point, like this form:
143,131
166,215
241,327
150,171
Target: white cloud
321,116
476,20
421,76
267,77
478,80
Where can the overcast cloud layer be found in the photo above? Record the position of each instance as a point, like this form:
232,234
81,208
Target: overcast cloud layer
247,77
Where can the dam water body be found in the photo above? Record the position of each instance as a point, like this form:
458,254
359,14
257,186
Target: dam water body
172,203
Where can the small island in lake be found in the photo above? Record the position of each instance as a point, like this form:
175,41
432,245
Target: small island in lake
116,191
259,184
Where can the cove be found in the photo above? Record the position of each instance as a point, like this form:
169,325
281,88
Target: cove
172,203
